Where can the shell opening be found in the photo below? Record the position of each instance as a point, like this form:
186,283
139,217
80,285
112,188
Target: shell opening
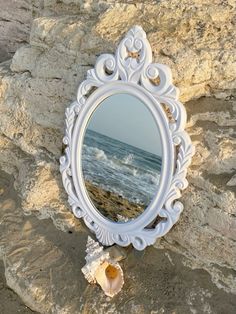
111,272
110,277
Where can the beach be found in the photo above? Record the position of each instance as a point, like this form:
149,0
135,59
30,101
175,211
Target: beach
122,179
112,205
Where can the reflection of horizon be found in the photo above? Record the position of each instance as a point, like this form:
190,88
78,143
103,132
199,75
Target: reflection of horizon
120,167
126,118
113,138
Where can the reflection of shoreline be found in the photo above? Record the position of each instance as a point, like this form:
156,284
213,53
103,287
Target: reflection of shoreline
112,205
125,143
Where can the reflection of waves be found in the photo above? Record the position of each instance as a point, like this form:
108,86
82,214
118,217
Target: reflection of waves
118,167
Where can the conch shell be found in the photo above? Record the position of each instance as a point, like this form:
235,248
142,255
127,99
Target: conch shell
101,269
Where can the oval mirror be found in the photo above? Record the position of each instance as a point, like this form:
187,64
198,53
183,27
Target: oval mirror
126,150
121,157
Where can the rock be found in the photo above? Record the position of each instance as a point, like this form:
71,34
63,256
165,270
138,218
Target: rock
64,44
9,301
196,39
43,265
15,17
232,181
112,205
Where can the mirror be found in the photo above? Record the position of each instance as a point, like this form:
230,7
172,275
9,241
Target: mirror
125,127
121,157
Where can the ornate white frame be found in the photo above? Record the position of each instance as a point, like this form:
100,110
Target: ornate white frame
131,71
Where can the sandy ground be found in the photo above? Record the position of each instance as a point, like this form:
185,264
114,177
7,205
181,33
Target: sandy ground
10,303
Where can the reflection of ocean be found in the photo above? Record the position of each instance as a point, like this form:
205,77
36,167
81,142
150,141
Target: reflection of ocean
120,168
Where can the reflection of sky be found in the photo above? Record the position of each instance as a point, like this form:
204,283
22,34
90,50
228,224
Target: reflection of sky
127,119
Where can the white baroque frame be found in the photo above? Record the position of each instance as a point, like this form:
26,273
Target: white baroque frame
131,71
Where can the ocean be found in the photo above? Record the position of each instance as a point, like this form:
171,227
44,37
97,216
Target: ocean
120,168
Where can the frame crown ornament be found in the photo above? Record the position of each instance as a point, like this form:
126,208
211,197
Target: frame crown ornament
130,70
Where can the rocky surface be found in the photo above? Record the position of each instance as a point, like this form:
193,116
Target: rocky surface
43,265
196,38
112,205
9,301
15,19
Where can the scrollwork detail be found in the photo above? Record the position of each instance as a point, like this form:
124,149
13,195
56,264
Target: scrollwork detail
132,62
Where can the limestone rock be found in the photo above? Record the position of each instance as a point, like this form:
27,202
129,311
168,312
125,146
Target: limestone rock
196,39
43,265
9,300
15,17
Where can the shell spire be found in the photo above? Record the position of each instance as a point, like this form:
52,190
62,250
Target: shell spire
94,258
93,250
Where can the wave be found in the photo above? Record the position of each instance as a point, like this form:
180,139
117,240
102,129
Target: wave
150,178
125,166
99,154
128,159
124,175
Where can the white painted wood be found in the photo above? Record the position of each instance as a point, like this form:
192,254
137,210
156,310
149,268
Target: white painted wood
130,71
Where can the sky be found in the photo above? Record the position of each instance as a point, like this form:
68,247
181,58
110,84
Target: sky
125,118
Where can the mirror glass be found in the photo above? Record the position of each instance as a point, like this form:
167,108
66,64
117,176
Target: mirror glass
121,157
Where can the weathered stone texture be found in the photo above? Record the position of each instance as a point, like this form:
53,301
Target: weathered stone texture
43,265
197,40
15,17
